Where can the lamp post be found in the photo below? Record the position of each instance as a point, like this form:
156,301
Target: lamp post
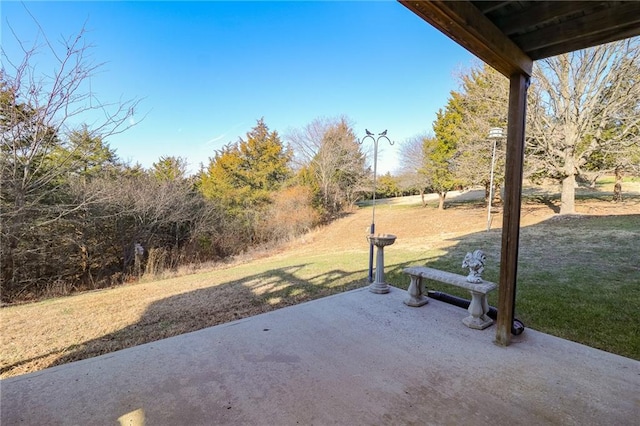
375,139
495,133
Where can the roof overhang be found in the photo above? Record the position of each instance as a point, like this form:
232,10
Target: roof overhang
510,35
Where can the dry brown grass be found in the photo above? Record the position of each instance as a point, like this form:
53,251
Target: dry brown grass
56,331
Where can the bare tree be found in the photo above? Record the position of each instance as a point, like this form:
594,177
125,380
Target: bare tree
41,111
583,118
327,152
587,105
412,160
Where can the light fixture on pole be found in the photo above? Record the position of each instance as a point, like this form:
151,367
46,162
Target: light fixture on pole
495,133
375,140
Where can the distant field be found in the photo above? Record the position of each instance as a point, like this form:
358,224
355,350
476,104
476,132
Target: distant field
579,278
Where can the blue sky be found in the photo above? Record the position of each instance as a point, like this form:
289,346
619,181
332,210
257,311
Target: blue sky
206,71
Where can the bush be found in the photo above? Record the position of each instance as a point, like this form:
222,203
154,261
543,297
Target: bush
290,214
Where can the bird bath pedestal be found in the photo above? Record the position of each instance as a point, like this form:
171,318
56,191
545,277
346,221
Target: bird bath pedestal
380,241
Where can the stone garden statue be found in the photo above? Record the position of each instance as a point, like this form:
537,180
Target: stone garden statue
475,262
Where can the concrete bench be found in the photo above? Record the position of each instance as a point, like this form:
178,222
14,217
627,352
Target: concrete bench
478,308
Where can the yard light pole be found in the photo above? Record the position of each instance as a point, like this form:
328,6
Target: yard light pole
495,133
375,139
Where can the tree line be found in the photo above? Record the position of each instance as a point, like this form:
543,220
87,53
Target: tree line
583,120
75,216
73,213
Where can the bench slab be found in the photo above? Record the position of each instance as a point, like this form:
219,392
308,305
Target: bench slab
478,308
450,278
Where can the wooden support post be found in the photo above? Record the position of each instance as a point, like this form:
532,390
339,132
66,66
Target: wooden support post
511,211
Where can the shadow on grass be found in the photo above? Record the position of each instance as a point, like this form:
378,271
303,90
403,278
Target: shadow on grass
222,303
546,199
183,313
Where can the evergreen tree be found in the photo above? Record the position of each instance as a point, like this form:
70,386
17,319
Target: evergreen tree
439,152
244,174
242,179
169,168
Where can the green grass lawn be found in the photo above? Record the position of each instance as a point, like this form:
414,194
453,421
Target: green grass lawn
578,278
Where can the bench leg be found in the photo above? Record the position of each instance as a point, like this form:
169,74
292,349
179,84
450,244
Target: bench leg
416,293
478,309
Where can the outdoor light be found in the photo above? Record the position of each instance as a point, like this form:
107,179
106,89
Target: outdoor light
382,135
495,133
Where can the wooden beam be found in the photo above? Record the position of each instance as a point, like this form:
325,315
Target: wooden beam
537,13
584,31
466,25
584,42
490,6
511,210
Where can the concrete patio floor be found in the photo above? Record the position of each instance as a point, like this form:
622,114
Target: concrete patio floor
353,358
